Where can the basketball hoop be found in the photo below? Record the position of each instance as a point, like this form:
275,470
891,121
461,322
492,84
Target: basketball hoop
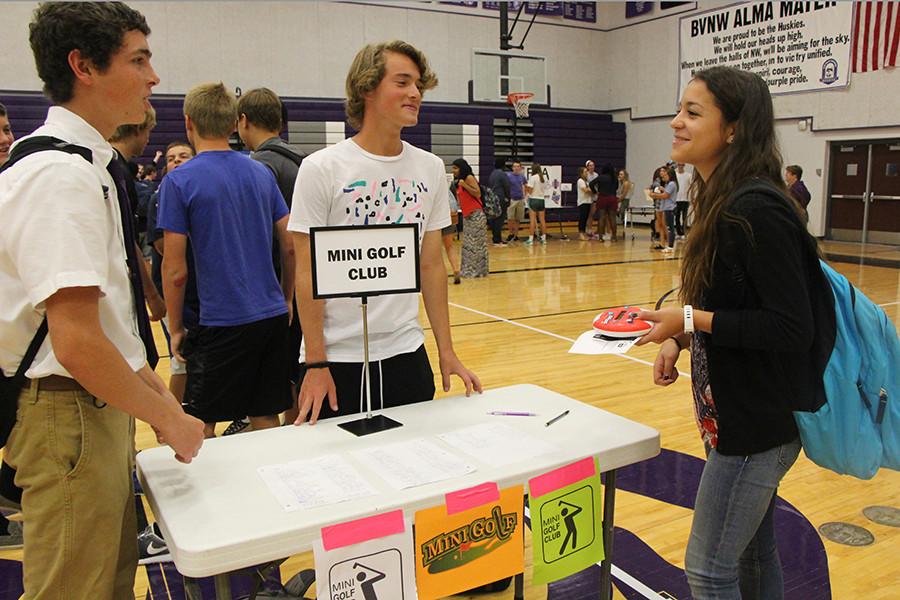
520,102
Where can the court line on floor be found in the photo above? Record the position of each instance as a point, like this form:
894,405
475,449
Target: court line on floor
594,310
550,333
599,264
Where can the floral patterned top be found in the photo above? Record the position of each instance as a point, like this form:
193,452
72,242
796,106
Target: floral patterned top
704,406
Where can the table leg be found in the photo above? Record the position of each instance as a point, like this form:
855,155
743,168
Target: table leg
223,587
609,505
519,582
192,589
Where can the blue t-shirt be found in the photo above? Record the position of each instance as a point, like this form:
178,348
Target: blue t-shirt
669,203
227,204
516,183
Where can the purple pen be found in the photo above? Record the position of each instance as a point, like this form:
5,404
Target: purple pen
512,413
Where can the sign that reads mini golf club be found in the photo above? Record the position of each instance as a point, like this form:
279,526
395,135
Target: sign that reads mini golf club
364,260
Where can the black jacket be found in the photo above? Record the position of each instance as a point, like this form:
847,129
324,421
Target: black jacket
762,293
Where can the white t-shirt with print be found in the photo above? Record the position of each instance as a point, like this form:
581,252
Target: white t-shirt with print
584,192
538,187
345,185
684,185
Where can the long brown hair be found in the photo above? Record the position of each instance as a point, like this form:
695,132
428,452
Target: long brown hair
745,102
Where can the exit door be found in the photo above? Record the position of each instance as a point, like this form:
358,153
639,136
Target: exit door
864,200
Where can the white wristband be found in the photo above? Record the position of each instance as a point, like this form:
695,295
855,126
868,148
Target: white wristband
688,318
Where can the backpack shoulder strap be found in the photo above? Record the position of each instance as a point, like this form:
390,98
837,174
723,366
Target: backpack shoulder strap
42,143
289,154
27,147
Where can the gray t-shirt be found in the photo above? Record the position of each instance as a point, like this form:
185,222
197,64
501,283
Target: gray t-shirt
284,168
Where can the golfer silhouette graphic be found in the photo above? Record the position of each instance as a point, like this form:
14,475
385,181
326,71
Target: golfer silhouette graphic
571,530
368,585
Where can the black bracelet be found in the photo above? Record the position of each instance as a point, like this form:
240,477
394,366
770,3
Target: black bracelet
318,365
677,343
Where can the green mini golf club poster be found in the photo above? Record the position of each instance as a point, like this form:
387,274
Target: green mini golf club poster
565,521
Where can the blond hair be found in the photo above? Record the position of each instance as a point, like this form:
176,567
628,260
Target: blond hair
367,71
124,132
213,110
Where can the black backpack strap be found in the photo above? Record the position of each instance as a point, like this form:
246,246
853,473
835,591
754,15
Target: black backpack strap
27,147
289,154
32,351
42,143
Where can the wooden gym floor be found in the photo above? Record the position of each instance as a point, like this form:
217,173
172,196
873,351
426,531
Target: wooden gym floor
517,325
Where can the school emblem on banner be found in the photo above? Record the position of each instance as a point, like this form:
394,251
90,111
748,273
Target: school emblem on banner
367,559
476,538
566,521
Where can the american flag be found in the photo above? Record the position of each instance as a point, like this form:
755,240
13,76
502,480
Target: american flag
876,35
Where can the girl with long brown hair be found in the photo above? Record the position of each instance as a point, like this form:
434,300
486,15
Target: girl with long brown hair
747,322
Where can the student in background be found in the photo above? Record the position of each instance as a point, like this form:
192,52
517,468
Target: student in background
535,190
585,202
499,183
793,176
474,245
683,201
665,212
448,233
230,208
605,204
6,134
516,211
624,193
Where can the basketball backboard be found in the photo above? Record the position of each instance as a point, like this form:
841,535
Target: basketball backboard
496,73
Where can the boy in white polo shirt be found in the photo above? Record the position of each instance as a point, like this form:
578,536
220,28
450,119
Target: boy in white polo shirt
62,256
375,178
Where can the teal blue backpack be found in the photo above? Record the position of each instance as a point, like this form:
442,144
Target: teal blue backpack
854,429
857,430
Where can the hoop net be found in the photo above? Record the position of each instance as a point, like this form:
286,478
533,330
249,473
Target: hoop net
520,102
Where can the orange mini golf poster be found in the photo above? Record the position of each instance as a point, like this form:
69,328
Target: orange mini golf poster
476,538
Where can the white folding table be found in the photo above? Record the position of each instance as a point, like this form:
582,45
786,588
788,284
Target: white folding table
630,213
217,515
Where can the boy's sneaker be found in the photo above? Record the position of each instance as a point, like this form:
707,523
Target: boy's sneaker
237,426
543,239
511,238
12,539
152,547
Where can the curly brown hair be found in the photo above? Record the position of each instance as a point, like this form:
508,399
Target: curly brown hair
367,71
96,29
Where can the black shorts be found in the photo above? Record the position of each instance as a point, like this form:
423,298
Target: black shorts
239,371
403,379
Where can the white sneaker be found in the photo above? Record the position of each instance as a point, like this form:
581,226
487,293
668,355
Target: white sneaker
543,239
529,241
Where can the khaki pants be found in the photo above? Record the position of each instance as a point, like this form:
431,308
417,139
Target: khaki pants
74,458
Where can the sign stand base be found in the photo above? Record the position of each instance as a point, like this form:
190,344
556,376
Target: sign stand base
370,423
367,425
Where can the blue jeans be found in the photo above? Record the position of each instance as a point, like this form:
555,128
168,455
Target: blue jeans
732,552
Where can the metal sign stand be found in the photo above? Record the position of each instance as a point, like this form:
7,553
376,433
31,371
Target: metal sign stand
371,423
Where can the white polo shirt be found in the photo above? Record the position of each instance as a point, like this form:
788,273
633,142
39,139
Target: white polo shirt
345,185
61,228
